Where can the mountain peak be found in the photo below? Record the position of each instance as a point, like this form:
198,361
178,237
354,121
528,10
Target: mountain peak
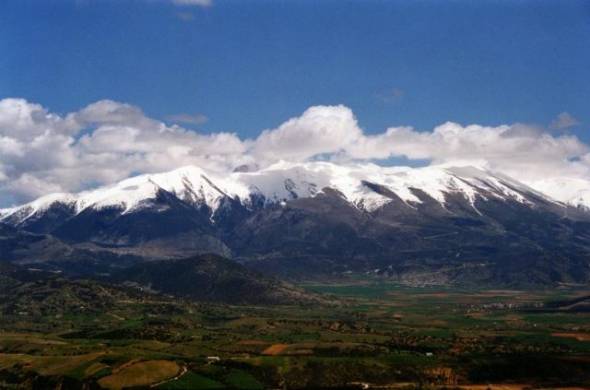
286,181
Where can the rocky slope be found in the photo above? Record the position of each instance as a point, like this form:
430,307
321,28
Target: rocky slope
439,224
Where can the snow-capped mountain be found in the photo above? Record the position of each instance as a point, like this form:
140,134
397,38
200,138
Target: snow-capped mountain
435,224
572,191
287,181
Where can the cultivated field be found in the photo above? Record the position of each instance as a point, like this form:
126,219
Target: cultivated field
371,333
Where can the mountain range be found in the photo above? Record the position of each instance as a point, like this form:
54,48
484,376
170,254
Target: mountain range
433,225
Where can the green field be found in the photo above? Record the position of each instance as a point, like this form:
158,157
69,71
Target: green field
369,332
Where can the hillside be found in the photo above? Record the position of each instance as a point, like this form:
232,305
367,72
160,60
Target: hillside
212,278
32,293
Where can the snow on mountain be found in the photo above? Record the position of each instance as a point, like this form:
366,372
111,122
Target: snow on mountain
188,183
286,181
573,191
24,212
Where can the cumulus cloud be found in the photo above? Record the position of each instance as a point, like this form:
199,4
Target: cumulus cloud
319,130
564,121
528,153
42,152
108,112
191,119
523,152
19,118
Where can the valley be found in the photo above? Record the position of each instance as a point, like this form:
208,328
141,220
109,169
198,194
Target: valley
365,332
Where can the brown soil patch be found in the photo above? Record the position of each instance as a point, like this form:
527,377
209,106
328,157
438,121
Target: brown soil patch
48,365
439,323
433,295
494,387
513,318
275,349
514,387
141,374
30,339
573,335
500,292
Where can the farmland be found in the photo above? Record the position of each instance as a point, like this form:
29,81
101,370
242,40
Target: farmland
367,333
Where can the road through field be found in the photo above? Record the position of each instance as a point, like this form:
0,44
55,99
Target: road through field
183,370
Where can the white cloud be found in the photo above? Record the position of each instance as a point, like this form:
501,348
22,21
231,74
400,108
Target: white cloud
192,119
319,130
106,141
200,3
23,119
42,152
564,121
526,153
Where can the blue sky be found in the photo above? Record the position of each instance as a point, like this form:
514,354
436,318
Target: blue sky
94,91
250,65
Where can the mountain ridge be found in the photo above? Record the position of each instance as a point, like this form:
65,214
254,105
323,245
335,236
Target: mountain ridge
417,225
282,182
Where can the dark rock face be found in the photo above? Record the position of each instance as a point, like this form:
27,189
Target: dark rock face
47,221
486,240
163,217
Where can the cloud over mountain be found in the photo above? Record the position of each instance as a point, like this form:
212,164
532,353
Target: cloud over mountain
42,152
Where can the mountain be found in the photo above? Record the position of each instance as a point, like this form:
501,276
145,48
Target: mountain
365,186
212,278
48,252
438,224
